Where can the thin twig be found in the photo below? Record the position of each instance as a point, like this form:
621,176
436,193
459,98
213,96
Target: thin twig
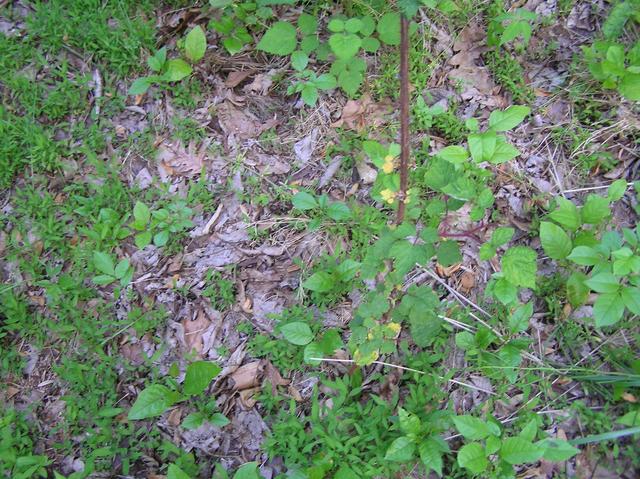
404,117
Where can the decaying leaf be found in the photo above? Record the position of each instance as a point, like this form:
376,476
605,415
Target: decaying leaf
176,160
362,113
193,332
241,123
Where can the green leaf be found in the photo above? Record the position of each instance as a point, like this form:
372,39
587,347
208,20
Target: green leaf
557,450
152,401
370,44
482,145
555,242
519,266
504,151
345,45
448,253
321,282
502,235
577,291
143,239
353,25
608,309
304,201
313,350
141,214
219,420
161,238
400,450
629,86
140,86
471,427
631,299
338,211
122,268
465,341
616,190
389,29
280,39
248,470
472,457
505,291
631,419
350,81
103,279
454,154
516,450
325,81
585,256
603,283
195,44
308,24
595,209
409,423
487,251
309,94
193,421
519,319
198,377
177,69
174,472
430,451
297,333
103,262
299,60
566,214
335,25
508,119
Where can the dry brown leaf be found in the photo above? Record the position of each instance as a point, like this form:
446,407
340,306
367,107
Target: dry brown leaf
236,77
241,123
467,281
261,83
174,417
295,394
176,160
362,113
445,272
248,375
193,331
249,397
133,353
272,375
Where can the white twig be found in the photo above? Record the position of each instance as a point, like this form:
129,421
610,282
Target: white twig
591,188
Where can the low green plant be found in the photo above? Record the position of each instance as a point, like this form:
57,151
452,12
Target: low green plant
320,208
158,225
615,68
509,26
104,263
17,458
174,69
235,20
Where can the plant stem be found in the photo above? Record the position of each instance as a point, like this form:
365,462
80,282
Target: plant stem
404,116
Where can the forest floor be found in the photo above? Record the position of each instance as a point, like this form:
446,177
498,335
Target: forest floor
174,252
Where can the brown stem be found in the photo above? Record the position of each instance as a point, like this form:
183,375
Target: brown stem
404,116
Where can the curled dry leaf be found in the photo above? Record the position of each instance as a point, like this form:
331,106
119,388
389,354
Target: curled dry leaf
248,375
241,123
174,417
362,113
176,160
193,332
236,77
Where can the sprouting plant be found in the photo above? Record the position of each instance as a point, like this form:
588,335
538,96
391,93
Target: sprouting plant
157,226
614,68
321,208
235,20
175,69
510,26
104,263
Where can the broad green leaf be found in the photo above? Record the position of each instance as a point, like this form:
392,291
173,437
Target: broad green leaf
595,209
122,268
195,44
629,86
509,118
555,242
297,333
503,152
519,266
631,299
309,43
370,44
631,419
409,423
308,24
157,61
401,450
472,457
528,432
350,81
425,328
103,262
505,291
309,94
193,420
487,251
219,420
103,279
603,283
465,341
608,309
345,45
557,450
177,69
389,29
585,256
516,450
280,39
430,451
153,401
325,81
448,253
471,427
313,350
616,190
140,86
353,25
519,319
174,472
299,60
141,214
338,211
335,25
304,201
502,235
143,239
161,238
248,470
198,377
482,145
566,214
320,282
454,154
577,290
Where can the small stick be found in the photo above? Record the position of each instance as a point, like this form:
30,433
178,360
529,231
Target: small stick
404,117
